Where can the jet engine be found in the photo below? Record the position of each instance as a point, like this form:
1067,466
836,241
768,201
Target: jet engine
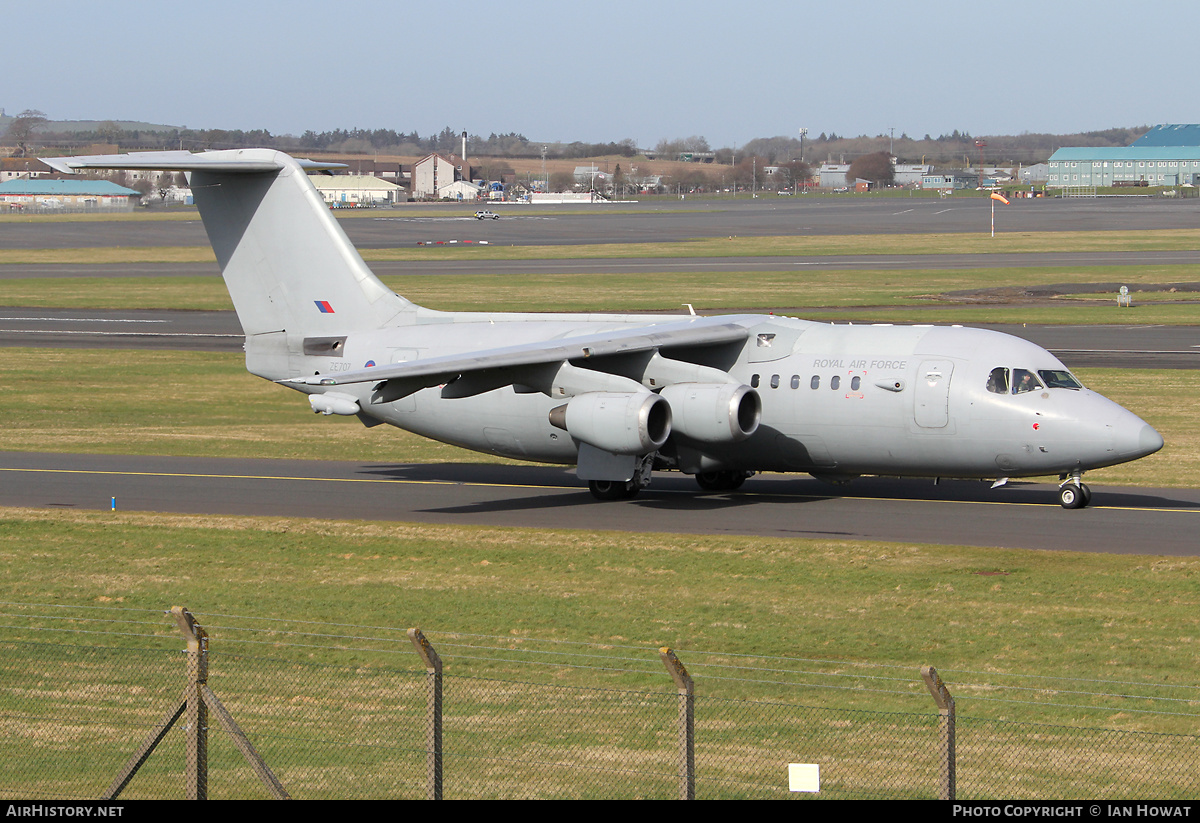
616,422
713,412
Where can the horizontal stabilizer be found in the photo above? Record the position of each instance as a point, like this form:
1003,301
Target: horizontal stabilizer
229,162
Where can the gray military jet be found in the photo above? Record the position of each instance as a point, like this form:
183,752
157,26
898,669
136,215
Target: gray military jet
720,398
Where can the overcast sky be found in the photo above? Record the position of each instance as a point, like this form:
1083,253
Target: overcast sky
561,71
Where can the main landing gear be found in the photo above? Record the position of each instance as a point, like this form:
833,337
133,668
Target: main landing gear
1072,493
714,481
624,489
613,489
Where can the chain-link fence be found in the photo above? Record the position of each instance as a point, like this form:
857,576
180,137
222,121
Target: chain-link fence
330,716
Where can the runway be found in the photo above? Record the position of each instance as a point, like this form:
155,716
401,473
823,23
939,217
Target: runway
1026,516
664,220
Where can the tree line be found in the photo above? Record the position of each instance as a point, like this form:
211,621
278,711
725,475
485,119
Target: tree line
30,124
956,149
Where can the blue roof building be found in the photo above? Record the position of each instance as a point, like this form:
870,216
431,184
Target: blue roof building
37,194
1170,135
1167,155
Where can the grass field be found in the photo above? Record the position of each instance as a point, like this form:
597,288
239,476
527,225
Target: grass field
863,294
815,245
978,612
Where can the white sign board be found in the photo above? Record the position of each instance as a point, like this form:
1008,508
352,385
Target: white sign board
804,777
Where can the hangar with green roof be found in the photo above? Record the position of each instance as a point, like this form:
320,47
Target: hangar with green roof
1167,155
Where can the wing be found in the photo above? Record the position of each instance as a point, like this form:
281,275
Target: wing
493,368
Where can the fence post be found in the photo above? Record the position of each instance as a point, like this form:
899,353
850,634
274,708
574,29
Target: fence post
196,769
945,704
198,700
686,689
433,714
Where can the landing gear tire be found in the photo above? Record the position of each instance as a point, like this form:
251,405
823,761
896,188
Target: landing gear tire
720,481
613,489
1074,497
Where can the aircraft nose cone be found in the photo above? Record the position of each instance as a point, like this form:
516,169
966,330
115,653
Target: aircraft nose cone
1133,442
1149,441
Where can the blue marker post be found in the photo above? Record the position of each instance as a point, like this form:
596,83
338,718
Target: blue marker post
113,504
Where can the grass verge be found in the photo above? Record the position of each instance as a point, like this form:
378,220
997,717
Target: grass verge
819,245
975,611
867,294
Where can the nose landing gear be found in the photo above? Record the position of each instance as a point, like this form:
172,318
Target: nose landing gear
1072,493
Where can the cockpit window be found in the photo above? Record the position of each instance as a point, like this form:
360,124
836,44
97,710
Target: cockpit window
998,381
1058,379
1024,381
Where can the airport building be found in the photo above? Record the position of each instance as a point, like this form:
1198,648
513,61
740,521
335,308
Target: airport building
461,190
833,175
37,194
433,173
1167,155
950,180
16,168
350,190
1037,173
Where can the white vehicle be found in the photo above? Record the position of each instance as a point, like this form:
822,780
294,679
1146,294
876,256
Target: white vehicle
486,215
621,395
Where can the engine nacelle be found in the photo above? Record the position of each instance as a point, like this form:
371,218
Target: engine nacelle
713,412
617,422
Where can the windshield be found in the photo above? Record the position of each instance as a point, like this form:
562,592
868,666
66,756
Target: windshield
1019,381
1024,381
1057,379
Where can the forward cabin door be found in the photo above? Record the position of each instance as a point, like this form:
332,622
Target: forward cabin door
931,395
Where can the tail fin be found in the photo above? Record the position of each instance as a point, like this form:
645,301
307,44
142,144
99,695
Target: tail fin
287,263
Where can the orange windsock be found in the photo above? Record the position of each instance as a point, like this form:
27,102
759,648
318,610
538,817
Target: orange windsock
998,196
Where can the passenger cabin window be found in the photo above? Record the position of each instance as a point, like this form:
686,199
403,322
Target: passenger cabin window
795,381
815,382
1057,379
1024,381
754,381
835,382
855,383
774,381
998,381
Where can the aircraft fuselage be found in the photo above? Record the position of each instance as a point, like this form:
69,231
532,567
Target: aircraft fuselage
836,400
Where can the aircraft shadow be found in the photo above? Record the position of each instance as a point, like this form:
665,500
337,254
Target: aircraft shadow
672,492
